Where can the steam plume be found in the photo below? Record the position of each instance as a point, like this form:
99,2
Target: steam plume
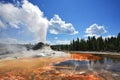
27,15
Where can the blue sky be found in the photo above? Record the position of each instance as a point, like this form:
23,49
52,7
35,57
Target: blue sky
68,19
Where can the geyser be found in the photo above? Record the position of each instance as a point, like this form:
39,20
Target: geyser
27,15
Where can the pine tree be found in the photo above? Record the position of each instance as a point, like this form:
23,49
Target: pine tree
118,42
100,43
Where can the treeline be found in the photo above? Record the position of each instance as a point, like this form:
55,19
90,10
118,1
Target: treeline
92,44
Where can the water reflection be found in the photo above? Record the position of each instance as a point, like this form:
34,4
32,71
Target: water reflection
91,62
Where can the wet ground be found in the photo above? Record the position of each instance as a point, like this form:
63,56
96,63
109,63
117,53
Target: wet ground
74,66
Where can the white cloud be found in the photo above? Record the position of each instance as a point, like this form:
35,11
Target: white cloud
62,42
58,26
57,41
56,38
95,30
49,42
2,25
28,15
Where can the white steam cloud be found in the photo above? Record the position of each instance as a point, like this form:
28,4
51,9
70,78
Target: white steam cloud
28,15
